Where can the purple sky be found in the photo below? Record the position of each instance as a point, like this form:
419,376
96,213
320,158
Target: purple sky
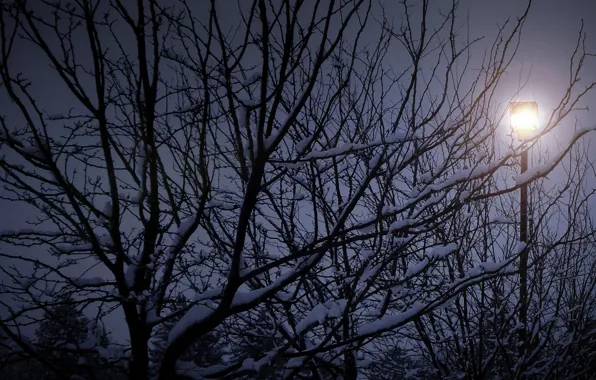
548,40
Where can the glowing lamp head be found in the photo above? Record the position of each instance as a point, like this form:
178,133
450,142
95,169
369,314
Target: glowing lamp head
524,118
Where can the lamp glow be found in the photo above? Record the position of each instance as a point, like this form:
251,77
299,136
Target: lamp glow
524,118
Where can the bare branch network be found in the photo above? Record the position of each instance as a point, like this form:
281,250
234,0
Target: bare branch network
283,189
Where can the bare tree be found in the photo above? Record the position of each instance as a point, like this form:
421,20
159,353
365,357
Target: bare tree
273,185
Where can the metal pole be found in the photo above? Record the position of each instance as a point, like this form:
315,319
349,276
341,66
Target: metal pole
523,258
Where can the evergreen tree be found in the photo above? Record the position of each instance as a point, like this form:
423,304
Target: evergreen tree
70,340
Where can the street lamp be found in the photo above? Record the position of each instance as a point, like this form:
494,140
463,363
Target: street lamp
524,122
524,118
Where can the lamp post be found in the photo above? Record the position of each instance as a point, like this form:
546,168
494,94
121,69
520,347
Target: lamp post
524,122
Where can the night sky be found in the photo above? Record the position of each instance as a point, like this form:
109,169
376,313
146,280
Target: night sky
548,40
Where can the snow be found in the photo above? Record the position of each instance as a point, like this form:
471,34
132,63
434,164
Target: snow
302,144
474,272
533,173
520,247
337,308
243,269
426,177
212,293
400,224
349,147
398,137
107,209
466,174
71,248
189,370
184,228
368,273
414,193
443,250
318,314
366,254
375,160
291,165
196,314
343,149
490,266
244,297
464,195
248,364
390,209
151,318
417,268
32,151
136,198
390,321
295,362
283,295
264,360
111,352
500,219
300,195
268,142
105,240
129,275
189,108
433,200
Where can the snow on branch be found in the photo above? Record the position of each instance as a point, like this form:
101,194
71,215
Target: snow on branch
322,311
390,321
195,315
